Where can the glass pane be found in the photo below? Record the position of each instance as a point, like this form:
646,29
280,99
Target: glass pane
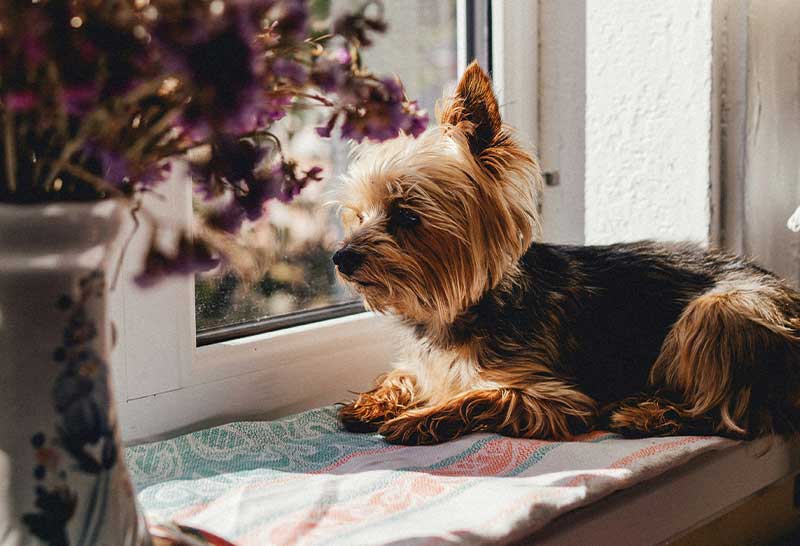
297,240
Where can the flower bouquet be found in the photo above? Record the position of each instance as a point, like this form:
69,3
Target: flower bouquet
98,100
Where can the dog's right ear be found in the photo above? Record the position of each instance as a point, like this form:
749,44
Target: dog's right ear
474,108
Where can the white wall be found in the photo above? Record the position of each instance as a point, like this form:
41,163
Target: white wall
648,120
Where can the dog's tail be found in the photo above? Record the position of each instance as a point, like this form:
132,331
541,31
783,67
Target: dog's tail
733,360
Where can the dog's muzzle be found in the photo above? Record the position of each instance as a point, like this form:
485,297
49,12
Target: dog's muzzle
347,260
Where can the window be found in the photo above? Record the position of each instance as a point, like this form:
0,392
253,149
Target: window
193,354
298,284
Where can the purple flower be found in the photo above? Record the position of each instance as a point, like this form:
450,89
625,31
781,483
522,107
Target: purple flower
191,256
342,56
284,184
280,182
379,112
119,171
232,167
292,19
418,121
20,101
394,89
326,130
259,191
329,75
274,107
224,59
354,27
290,70
218,56
80,99
228,217
102,58
204,79
232,161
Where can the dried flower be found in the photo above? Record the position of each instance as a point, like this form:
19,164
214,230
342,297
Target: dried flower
191,256
98,97
354,27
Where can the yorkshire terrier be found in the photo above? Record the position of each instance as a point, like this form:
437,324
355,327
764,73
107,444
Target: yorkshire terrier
537,340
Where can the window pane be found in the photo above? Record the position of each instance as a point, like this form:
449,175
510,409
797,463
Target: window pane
296,240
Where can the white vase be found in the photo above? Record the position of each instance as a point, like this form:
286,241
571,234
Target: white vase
62,473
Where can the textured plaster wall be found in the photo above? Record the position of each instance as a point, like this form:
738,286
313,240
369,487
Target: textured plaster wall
648,120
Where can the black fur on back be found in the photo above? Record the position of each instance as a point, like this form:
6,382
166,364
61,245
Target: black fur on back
606,309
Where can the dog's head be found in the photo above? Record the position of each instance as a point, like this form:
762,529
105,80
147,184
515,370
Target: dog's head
432,223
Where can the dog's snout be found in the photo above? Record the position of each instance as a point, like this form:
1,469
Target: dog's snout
347,260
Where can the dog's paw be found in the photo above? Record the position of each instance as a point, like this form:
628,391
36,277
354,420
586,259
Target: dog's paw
646,418
357,417
417,429
393,396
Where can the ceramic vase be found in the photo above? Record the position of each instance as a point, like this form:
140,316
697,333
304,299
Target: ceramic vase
63,479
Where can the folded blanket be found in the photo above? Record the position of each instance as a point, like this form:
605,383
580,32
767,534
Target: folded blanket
303,480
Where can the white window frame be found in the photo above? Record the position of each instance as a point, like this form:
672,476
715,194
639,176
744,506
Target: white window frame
165,384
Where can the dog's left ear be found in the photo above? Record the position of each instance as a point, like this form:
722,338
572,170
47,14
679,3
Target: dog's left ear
474,102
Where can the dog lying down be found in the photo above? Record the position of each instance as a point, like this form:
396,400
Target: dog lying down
535,340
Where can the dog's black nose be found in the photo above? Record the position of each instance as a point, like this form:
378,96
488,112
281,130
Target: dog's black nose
347,260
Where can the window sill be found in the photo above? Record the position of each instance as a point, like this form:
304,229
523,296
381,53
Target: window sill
266,376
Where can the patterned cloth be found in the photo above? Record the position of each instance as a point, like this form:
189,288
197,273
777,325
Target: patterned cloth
303,480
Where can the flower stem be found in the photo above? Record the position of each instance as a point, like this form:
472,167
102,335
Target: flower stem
100,184
319,98
136,223
166,121
10,150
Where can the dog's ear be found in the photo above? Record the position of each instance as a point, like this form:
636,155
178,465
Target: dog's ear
474,102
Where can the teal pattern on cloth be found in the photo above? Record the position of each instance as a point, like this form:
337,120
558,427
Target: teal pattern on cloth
304,480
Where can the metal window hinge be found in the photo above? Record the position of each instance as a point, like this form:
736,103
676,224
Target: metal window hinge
551,178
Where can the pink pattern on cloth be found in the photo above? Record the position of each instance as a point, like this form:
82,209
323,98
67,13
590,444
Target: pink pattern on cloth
495,458
649,451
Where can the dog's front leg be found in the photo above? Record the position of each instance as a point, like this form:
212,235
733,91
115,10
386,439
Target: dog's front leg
521,413
395,393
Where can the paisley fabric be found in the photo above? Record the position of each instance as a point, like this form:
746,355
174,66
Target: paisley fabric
303,480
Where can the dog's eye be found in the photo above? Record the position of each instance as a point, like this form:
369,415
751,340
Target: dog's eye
405,218
360,217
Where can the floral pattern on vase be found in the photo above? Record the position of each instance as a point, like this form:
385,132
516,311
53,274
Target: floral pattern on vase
83,432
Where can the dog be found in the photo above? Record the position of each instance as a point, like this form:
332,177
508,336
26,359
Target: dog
534,340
